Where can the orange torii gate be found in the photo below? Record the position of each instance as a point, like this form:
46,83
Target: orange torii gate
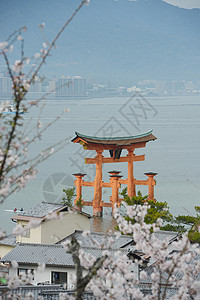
115,145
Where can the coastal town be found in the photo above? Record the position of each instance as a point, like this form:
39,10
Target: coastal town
99,150
43,232
80,87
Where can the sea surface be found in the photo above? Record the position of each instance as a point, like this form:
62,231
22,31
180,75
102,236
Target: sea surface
175,155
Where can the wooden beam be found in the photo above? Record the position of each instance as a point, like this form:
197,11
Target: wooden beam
139,157
87,203
106,204
112,160
93,146
87,183
106,184
89,160
123,181
80,141
141,182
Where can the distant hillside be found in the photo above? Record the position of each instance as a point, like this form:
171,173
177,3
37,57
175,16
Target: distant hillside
123,40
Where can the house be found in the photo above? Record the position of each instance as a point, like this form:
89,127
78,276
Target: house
59,264
49,231
96,239
6,245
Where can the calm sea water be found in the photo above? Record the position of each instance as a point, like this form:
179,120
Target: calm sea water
175,155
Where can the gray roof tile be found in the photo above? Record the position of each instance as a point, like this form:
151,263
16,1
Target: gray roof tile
35,253
54,255
96,238
41,210
168,236
10,241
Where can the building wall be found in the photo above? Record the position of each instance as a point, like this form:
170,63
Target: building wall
33,237
71,87
4,249
45,276
53,231
5,86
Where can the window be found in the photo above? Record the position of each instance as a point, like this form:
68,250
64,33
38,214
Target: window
27,232
22,271
58,277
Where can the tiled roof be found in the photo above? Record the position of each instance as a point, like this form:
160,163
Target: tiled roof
35,253
99,238
54,255
118,141
177,275
42,209
170,291
10,241
168,236
113,138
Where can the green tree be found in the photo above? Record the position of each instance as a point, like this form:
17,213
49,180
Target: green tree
79,203
191,224
155,211
69,195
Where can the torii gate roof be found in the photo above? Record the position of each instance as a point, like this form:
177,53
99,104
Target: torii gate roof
112,143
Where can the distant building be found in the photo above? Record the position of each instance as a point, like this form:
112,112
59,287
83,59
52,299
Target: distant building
52,86
5,86
71,87
79,86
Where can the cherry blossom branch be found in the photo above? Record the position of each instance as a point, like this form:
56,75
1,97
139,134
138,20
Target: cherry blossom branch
21,84
82,281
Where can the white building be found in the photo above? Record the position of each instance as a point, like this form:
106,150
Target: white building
5,86
49,231
59,264
71,87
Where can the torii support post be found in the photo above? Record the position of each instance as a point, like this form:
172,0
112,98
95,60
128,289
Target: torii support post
151,182
97,208
131,183
114,179
78,183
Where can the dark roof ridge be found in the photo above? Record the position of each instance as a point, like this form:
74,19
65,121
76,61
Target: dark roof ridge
110,234
39,245
113,138
31,213
99,233
60,204
60,246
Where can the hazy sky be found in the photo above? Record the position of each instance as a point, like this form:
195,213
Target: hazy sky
185,3
150,40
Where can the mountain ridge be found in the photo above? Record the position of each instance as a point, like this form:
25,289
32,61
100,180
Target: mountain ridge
119,40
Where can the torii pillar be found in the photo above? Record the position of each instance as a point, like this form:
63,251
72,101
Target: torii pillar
97,209
151,182
131,181
114,179
78,183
